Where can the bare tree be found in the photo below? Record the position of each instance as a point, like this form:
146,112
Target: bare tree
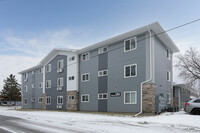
189,66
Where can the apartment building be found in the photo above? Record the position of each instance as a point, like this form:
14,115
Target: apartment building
121,74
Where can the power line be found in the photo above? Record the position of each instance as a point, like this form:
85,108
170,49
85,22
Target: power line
179,26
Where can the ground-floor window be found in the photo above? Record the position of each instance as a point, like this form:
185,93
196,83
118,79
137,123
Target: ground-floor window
40,99
25,101
102,96
48,100
130,97
70,97
168,98
85,98
59,99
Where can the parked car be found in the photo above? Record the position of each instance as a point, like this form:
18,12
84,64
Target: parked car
193,106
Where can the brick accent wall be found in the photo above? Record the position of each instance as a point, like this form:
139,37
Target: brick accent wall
72,104
44,101
149,98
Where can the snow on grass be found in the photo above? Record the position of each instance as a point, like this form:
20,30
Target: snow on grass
178,122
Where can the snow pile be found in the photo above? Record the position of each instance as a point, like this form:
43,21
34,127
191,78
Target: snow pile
55,121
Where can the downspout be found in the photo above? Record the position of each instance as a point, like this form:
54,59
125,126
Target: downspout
150,68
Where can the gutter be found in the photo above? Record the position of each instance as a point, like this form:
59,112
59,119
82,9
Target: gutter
150,68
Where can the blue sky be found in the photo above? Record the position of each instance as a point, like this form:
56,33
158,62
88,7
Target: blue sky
29,29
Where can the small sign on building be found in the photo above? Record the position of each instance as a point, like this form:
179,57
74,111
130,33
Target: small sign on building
115,94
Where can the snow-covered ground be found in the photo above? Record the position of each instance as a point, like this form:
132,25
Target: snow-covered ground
60,122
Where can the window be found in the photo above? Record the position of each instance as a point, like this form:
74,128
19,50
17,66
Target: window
85,56
33,72
102,96
26,76
25,101
59,82
60,64
48,68
168,53
72,58
71,97
103,50
25,88
32,99
168,75
130,97
130,71
71,78
85,98
40,99
48,100
48,84
168,98
59,99
103,73
33,85
197,101
40,85
85,77
40,70
130,44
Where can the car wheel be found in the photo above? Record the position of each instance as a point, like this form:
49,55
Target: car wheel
196,112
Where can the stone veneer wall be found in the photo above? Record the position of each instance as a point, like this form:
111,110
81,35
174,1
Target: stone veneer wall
72,105
149,98
44,101
175,102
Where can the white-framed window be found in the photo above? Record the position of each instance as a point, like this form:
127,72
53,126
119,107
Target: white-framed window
103,50
168,54
25,88
60,64
40,85
71,78
25,101
40,70
33,85
48,68
33,72
59,82
71,97
85,77
102,96
60,100
130,71
85,56
130,97
40,99
130,44
168,98
85,98
102,73
48,98
168,75
26,76
32,99
48,84
72,58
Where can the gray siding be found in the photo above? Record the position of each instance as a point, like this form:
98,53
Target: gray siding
162,64
53,76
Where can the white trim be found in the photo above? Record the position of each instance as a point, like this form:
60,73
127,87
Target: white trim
71,97
62,100
61,64
61,83
50,100
40,83
130,97
85,95
33,71
32,99
85,74
135,38
25,88
102,71
48,66
169,94
41,70
49,84
168,53
130,70
24,101
39,99
86,58
100,50
33,86
102,96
